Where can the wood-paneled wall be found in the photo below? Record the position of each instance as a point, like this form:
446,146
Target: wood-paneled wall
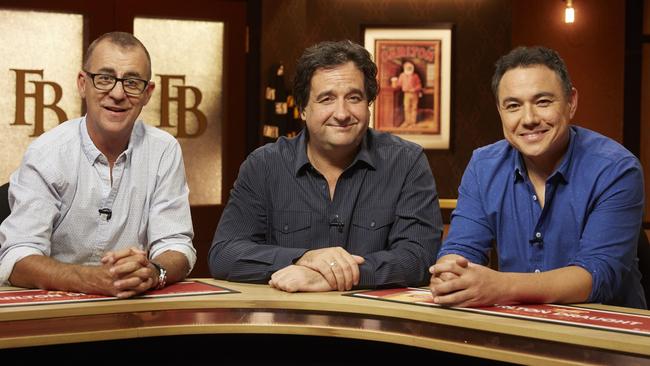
481,34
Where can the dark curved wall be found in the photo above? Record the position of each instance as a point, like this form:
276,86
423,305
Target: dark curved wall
593,49
482,32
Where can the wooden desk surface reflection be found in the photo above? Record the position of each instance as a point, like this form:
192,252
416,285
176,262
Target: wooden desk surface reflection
258,309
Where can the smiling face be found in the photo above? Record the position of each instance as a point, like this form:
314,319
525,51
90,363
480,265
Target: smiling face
337,113
111,114
535,113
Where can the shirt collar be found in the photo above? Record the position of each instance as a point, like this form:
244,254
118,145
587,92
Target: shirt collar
302,161
92,152
520,168
561,173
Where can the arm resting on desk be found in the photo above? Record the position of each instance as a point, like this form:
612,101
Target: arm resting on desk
455,281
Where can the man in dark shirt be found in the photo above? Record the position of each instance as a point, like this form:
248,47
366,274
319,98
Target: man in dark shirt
563,203
338,207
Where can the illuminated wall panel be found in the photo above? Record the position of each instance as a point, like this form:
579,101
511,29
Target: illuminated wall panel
41,56
187,60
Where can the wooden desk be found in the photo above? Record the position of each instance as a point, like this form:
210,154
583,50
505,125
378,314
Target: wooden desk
258,309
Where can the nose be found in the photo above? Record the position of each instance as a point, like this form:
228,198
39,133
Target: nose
341,111
528,115
118,90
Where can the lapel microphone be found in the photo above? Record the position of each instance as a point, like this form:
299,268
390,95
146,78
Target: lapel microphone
107,212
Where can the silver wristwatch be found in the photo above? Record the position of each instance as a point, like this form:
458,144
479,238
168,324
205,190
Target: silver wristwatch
162,275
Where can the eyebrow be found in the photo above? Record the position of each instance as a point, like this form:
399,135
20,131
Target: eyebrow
330,92
111,71
536,96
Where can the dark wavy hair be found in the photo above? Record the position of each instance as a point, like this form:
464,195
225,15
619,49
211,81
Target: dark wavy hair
328,55
531,56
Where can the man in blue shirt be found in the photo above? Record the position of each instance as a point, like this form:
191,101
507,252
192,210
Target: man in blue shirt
340,205
562,203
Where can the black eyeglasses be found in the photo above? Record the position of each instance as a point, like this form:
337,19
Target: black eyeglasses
106,82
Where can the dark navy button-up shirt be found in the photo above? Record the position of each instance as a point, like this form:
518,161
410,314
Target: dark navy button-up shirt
385,209
591,217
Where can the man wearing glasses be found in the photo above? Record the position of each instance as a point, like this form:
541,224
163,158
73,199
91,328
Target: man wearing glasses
100,203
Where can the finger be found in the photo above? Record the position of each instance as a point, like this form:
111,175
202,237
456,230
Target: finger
135,250
119,254
342,270
276,276
130,283
358,259
108,258
446,276
285,283
349,268
126,294
448,287
435,281
134,257
458,298
325,268
336,268
462,261
351,271
125,269
131,270
451,267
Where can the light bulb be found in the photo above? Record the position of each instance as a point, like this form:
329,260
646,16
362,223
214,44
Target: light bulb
569,15
569,12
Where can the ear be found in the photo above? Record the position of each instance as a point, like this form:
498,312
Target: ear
498,108
148,92
81,84
573,102
303,115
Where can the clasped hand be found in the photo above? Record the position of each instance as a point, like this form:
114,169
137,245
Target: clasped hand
458,282
130,271
326,269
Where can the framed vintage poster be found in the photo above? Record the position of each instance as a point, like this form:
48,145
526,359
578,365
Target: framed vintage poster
414,75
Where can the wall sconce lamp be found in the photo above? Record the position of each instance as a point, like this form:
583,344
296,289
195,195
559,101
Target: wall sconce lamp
569,12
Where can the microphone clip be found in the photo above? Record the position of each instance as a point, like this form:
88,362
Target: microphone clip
106,211
336,222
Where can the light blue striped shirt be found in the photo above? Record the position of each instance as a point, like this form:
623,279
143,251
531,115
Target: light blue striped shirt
63,181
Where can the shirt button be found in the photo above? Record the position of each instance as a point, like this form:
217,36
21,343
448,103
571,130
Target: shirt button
534,197
373,224
538,235
285,227
537,271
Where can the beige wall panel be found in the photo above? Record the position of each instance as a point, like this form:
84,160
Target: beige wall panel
41,56
187,62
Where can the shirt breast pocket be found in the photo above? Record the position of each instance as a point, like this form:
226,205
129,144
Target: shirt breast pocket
291,229
370,229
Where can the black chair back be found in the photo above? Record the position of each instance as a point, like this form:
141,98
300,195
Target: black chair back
4,202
